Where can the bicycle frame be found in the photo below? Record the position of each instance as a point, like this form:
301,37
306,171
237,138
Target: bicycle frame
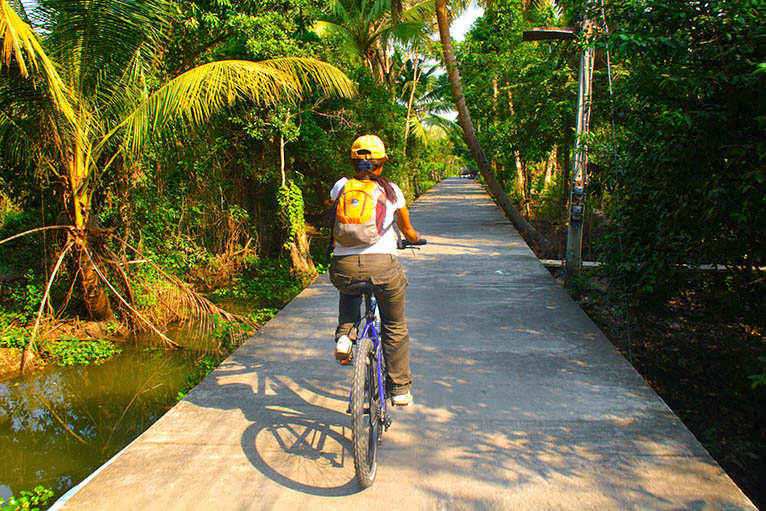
367,324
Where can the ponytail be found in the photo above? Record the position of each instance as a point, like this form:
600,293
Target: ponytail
365,170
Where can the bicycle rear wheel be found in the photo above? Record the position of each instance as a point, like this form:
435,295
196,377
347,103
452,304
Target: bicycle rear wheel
365,413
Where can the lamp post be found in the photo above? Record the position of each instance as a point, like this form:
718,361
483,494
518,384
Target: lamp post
579,162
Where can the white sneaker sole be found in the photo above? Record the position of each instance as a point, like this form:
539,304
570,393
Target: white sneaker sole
343,356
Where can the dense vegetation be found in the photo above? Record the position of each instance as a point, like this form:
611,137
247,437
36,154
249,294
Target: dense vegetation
189,157
221,180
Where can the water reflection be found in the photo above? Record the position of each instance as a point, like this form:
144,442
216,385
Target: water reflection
59,425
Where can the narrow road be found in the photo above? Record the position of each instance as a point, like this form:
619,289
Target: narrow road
520,403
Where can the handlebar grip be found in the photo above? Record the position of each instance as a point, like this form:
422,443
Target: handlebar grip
402,244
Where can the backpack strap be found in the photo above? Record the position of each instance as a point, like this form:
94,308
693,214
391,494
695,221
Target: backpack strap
333,216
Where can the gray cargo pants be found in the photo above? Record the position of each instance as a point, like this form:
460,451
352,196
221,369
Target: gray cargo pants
389,283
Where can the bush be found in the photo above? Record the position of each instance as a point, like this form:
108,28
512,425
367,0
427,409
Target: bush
690,184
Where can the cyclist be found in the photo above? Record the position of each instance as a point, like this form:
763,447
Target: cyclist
378,264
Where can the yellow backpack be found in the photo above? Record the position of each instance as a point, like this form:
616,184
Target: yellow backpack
360,212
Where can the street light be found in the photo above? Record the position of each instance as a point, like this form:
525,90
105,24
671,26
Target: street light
582,123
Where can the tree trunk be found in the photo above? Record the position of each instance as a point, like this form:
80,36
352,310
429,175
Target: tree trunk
550,167
291,203
410,102
523,170
28,357
521,185
300,258
94,296
494,163
282,158
521,182
464,118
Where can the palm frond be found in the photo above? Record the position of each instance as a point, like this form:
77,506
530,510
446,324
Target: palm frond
336,9
20,43
406,32
196,94
314,74
375,10
432,127
98,38
420,11
326,29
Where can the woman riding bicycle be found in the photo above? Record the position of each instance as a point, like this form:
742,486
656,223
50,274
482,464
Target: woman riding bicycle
376,263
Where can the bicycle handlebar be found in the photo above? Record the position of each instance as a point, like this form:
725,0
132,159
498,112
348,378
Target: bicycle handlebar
402,244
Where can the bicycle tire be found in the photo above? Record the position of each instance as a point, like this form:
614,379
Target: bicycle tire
365,427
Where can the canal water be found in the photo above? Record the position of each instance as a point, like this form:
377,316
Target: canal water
59,425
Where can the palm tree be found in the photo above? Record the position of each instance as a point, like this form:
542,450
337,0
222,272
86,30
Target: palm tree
78,102
464,119
420,88
368,28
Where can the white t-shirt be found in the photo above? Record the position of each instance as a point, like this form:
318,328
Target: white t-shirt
387,243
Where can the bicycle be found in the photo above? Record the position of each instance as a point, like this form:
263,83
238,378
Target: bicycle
367,400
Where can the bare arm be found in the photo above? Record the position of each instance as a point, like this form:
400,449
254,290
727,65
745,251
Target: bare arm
403,221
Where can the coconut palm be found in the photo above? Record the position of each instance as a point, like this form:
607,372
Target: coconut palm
78,99
367,29
420,87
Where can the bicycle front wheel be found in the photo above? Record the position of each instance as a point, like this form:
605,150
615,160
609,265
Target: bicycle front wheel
365,412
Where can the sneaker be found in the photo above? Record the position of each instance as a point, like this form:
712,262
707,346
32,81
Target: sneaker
343,350
402,399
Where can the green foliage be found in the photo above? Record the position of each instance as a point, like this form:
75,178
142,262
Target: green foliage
18,255
689,183
28,500
21,301
73,351
267,281
759,379
28,295
12,332
290,200
524,93
254,29
8,207
228,334
523,98
261,316
202,367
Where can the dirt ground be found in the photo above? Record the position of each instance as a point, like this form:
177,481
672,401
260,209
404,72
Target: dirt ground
10,362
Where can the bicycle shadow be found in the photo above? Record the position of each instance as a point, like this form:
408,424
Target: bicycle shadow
297,436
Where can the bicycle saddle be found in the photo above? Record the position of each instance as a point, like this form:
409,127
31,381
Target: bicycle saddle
358,287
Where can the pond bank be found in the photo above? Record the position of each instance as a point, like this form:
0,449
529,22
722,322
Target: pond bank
59,423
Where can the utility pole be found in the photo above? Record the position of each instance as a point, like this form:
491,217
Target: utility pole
582,123
580,162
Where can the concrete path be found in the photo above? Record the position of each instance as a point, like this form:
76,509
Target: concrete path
521,403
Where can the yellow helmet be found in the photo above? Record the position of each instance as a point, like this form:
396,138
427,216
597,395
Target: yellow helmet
368,147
